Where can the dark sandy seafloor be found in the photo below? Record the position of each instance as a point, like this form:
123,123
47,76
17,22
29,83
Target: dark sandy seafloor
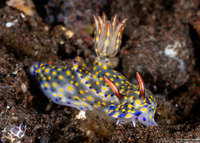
161,41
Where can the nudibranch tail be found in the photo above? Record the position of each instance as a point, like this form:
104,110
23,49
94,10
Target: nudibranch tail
34,68
108,35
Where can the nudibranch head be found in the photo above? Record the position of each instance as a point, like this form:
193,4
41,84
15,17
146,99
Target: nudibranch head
135,104
108,35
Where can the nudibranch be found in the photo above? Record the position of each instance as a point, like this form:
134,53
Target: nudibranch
101,88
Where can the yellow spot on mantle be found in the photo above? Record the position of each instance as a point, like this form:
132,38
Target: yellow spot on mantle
97,82
144,110
111,79
60,77
105,67
76,66
103,103
137,101
81,91
90,98
46,84
47,71
116,114
61,90
76,97
54,73
68,72
69,88
117,84
76,83
107,74
104,88
54,84
85,104
129,106
49,77
128,115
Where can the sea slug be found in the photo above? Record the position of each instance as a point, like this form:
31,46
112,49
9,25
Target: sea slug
102,88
